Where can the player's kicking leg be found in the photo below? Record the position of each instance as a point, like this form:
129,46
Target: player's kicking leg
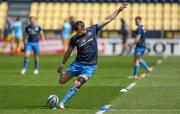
74,89
84,72
63,78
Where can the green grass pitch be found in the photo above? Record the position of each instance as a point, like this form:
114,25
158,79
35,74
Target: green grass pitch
158,94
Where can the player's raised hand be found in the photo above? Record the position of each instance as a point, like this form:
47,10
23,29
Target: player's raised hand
123,6
60,69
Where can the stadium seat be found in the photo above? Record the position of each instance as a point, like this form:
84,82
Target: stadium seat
81,6
126,15
158,16
96,7
88,7
42,6
104,10
65,6
87,22
167,11
118,24
73,6
150,16
174,16
174,25
135,12
158,24
111,7
41,22
3,14
166,24
143,13
35,6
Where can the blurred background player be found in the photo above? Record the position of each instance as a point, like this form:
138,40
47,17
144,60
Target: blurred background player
17,29
124,32
66,33
140,42
87,53
72,22
8,36
34,33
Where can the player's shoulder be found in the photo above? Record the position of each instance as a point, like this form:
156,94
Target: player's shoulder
74,37
37,25
27,26
141,26
94,26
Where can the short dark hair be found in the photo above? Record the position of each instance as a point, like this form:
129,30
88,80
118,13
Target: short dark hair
138,18
32,17
79,25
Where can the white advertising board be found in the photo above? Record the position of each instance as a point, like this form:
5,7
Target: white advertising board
162,47
153,46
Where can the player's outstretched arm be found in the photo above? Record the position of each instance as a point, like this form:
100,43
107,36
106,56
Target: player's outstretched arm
65,58
112,16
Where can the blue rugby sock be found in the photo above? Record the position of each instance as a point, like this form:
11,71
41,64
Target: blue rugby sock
143,63
136,70
72,91
25,64
36,63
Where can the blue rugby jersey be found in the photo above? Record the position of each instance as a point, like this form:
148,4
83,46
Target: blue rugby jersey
87,49
141,31
33,32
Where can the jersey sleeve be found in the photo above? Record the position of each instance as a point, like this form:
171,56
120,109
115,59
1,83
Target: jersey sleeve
40,30
96,27
139,31
72,43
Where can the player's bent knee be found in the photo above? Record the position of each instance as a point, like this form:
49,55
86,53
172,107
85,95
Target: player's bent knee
79,82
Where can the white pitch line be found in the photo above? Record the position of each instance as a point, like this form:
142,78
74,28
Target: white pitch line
130,86
103,109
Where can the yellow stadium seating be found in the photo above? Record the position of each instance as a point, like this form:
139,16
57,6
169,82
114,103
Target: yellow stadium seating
156,16
3,14
167,11
150,16
174,24
35,6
